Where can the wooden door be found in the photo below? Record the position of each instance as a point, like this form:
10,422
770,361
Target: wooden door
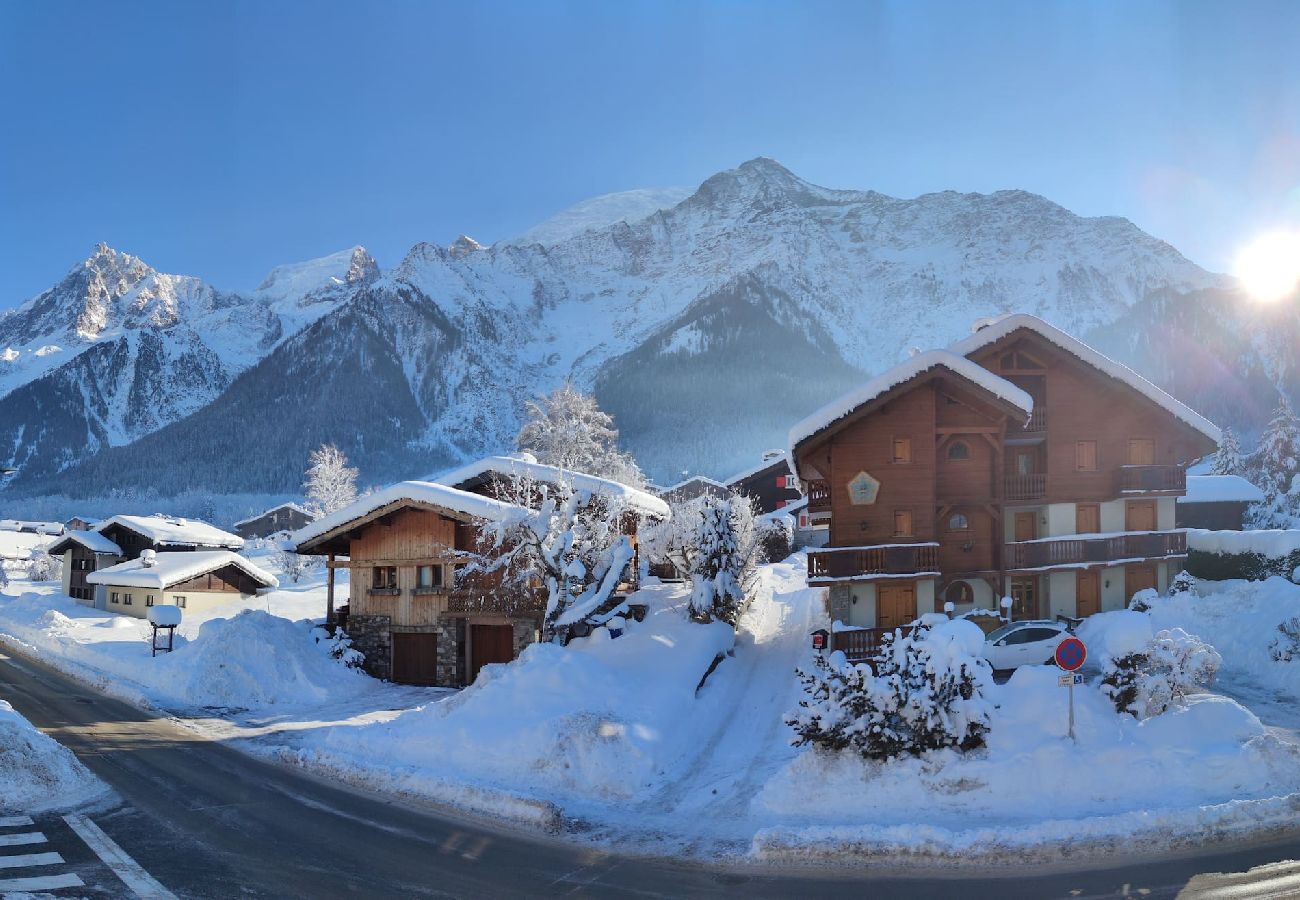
1024,598
895,605
1140,515
1087,594
1141,452
1087,518
1026,526
489,644
415,658
1138,578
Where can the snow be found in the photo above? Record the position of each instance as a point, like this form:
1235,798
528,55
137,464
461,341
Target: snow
1112,635
1276,543
703,479
440,495
1007,324
515,466
290,506
1220,489
901,373
36,772
91,540
298,280
167,569
168,530
601,212
19,545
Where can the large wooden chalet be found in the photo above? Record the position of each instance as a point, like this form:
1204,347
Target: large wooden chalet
1020,462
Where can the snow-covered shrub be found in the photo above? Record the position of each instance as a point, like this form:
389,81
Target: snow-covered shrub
1141,601
44,567
1181,584
1149,681
1286,646
927,693
4,576
568,429
339,647
290,563
330,483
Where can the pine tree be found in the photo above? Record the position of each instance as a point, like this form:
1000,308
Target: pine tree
716,589
1228,460
330,484
568,429
1275,466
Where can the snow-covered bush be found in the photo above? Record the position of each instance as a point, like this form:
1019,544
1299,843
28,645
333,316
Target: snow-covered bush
44,567
4,576
1149,681
290,563
1181,584
568,429
330,483
1286,646
927,693
339,647
1141,601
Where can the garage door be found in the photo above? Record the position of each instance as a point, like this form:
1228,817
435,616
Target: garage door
415,658
490,644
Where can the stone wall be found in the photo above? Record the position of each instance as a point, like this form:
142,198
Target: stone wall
371,635
840,602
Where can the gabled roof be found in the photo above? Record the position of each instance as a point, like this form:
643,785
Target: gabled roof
703,479
783,458
270,509
91,540
1220,489
172,568
526,467
467,505
168,531
1001,328
900,374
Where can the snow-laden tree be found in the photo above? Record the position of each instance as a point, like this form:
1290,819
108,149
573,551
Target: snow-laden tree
1229,459
44,567
1274,467
1182,583
568,429
4,576
291,564
927,693
1161,674
339,647
330,483
570,542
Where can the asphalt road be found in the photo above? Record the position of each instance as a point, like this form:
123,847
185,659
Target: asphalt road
206,820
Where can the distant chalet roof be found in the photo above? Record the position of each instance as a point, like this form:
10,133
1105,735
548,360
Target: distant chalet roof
900,374
172,568
703,479
470,506
270,509
525,467
91,540
1220,489
783,458
167,531
1006,325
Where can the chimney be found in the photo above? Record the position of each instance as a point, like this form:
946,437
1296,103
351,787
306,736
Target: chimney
147,559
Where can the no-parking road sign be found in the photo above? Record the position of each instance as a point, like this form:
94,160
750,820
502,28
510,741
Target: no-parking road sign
1071,654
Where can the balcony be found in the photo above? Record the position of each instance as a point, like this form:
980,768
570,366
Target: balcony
1035,429
819,496
860,645
503,601
1151,480
1072,550
1024,487
881,559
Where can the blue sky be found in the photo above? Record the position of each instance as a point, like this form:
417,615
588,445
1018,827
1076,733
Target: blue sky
219,139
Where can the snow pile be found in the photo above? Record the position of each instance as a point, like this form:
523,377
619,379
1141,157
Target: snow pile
601,717
1276,543
1220,489
1114,635
36,772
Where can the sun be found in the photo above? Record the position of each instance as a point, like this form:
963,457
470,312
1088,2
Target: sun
1269,269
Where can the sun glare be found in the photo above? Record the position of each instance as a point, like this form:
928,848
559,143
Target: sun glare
1269,269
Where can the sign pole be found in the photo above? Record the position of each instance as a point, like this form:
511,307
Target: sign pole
1072,708
1070,655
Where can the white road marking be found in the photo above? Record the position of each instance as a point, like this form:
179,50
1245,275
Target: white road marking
27,837
15,821
30,859
41,883
141,883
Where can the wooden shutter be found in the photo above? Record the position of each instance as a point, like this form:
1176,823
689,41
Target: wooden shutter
903,522
1141,452
1085,456
1087,518
902,450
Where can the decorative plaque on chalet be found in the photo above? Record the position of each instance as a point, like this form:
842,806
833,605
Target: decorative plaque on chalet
863,489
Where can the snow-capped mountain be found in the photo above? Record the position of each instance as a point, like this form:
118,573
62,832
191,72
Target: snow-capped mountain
601,212
706,328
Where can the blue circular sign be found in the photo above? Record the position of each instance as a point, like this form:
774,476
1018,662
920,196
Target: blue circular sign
1071,653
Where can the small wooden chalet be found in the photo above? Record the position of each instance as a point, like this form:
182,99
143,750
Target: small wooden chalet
81,523
772,483
415,620
1216,502
1020,462
285,517
197,580
84,552
691,488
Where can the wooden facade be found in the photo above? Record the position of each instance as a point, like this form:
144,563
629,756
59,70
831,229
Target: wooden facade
285,517
772,487
997,503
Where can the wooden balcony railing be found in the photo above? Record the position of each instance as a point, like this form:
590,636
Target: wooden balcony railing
1037,423
1151,479
1024,487
861,644
1067,550
881,559
819,496
510,602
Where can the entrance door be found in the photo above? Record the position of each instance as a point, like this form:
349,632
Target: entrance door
1087,518
1087,593
415,658
1140,515
489,644
1026,526
1024,598
895,605
1138,578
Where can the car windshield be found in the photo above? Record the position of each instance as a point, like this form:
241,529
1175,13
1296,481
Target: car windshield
1000,632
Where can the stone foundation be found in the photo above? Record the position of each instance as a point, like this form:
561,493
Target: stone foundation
372,635
840,601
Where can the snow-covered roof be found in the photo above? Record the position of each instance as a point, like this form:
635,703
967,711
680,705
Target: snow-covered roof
473,505
508,466
91,540
173,568
903,372
1220,489
782,457
1004,326
685,481
168,531
270,509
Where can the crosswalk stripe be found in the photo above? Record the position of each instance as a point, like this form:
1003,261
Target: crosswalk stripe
41,883
27,837
15,821
30,859
141,883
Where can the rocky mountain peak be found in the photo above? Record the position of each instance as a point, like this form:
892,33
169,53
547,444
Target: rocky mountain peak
362,267
463,246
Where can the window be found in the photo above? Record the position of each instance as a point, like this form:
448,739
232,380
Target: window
383,578
148,600
113,598
1085,456
902,523
1141,452
428,577
126,599
959,450
958,522
902,450
178,600
959,592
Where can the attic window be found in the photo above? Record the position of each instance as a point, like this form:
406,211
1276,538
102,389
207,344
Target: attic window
958,522
959,450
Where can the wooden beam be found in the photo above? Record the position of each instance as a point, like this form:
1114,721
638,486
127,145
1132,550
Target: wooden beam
414,561
329,592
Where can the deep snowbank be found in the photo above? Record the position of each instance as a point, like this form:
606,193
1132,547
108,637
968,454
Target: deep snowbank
36,772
